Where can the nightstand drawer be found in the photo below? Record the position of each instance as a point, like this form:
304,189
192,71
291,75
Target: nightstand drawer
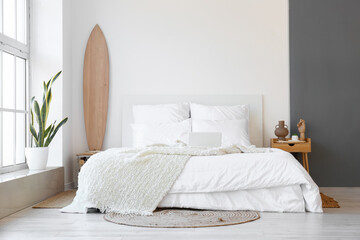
293,147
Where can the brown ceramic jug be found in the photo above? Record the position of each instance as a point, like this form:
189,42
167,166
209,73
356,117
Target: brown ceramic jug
281,130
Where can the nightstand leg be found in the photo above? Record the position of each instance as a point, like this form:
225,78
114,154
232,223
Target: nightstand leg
307,162
303,160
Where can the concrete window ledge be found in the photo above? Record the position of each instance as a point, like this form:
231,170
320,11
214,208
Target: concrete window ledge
24,188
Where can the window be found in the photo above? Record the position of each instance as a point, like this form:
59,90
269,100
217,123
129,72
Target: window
14,104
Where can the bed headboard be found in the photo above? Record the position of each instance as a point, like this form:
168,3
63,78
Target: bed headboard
255,102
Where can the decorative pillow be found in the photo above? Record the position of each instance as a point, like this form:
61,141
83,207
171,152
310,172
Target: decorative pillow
145,134
161,113
232,131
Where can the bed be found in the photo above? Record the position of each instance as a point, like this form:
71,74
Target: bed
234,178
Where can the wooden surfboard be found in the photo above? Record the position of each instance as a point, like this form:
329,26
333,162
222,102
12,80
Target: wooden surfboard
96,88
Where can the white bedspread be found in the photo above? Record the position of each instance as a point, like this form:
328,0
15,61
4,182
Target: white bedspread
249,171
218,174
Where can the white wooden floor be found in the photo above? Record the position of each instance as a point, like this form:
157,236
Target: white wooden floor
343,223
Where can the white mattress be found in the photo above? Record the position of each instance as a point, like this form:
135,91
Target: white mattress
278,199
273,181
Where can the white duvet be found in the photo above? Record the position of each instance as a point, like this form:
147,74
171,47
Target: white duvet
269,181
273,181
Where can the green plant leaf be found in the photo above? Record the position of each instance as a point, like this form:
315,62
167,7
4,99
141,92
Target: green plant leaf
43,122
48,83
48,100
47,131
32,117
50,132
45,87
40,122
50,138
49,97
45,91
54,78
37,111
52,128
34,134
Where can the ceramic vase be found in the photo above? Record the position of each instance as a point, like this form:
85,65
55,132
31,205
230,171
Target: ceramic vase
281,130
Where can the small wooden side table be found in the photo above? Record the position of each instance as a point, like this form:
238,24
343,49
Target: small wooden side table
83,157
300,147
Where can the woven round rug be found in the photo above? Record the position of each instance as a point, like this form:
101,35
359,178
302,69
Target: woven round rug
178,218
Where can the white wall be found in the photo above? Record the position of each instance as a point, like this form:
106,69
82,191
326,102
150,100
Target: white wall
50,52
184,47
160,47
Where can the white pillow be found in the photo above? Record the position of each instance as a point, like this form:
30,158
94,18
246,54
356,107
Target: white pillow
161,113
145,134
232,131
225,112
205,112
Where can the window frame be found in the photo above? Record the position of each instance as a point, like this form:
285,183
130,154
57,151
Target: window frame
21,50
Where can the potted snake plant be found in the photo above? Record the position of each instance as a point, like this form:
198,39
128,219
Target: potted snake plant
41,135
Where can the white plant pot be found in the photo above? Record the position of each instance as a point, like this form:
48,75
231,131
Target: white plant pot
37,157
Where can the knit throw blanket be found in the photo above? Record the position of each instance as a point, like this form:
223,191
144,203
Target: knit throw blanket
134,181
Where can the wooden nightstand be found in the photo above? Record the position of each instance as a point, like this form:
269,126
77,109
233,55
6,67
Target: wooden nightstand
83,157
302,147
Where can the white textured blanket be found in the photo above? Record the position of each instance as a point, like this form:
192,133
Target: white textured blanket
135,180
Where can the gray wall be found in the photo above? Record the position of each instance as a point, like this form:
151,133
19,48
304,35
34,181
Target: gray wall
325,86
